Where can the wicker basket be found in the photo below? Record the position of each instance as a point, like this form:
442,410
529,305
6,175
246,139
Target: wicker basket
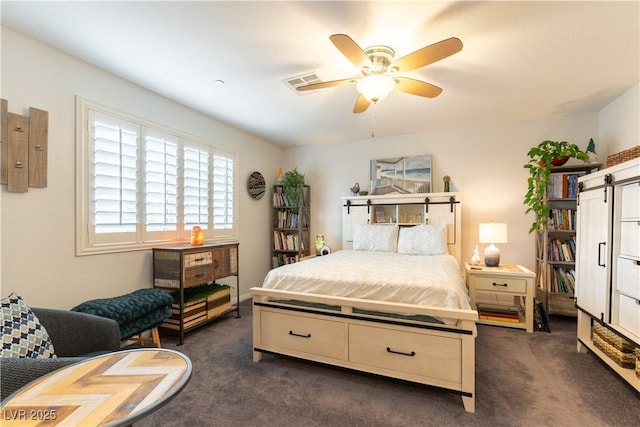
620,350
625,360
623,156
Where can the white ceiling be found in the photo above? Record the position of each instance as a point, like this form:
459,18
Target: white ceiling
520,60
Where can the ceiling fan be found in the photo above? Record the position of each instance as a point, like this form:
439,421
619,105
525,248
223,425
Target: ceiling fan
380,71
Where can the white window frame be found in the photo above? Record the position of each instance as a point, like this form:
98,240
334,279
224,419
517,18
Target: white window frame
89,242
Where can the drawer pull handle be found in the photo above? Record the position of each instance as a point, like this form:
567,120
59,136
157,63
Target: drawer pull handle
600,245
199,259
413,353
299,335
198,275
504,285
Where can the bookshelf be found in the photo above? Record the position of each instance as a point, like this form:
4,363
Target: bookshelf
556,245
290,240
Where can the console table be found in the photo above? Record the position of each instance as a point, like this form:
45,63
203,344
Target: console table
180,267
115,389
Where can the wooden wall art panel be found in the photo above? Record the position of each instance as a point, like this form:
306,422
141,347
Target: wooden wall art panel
4,137
18,153
24,148
38,137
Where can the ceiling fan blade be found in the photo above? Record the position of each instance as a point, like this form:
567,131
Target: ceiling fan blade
322,85
351,50
417,87
428,54
362,104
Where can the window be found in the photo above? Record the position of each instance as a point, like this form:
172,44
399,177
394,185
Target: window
140,184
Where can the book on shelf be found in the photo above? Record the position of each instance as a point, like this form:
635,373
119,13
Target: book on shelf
562,220
563,280
499,313
564,251
563,185
286,241
498,319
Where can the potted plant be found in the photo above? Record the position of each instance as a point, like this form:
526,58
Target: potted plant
292,183
542,159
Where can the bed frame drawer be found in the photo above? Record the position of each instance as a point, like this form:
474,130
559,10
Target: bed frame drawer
504,284
409,352
302,334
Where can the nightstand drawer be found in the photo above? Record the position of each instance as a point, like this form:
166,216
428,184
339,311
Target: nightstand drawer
500,284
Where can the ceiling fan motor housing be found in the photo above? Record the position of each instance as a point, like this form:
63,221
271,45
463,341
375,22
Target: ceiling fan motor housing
381,57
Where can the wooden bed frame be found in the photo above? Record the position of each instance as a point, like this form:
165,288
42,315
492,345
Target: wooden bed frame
362,334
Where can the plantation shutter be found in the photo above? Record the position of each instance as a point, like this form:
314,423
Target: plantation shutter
196,187
161,181
113,180
223,191
139,184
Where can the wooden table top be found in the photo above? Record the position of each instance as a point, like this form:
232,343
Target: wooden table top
113,389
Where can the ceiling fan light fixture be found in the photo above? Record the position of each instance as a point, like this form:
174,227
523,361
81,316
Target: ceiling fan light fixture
375,87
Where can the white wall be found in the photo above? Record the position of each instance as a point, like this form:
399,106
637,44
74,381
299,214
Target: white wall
37,228
485,164
618,123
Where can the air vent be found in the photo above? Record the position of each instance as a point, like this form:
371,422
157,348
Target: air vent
302,80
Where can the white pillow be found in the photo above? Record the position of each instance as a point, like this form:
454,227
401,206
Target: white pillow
380,238
423,240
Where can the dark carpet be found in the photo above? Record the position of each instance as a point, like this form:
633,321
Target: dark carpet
521,380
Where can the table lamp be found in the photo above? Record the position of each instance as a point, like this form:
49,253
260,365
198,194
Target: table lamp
491,233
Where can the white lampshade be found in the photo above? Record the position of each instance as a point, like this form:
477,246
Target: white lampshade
492,233
375,87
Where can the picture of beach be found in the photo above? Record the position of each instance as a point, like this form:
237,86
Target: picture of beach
401,175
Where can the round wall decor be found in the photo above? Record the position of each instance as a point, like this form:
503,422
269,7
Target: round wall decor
256,185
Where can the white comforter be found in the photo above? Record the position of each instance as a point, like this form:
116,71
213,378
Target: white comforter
434,280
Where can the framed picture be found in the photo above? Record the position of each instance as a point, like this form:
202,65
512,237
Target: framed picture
401,175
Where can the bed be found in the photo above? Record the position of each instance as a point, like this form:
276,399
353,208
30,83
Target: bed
394,305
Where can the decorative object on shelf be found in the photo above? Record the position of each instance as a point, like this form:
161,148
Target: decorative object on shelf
363,193
197,236
256,185
447,180
539,165
325,250
292,182
475,258
355,189
492,233
279,179
319,243
401,175
591,152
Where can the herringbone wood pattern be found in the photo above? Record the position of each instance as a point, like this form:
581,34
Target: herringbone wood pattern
107,389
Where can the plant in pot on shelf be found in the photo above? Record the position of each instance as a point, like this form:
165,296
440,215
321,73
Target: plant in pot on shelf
542,159
292,184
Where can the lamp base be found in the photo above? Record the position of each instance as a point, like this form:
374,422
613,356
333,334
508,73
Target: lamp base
492,256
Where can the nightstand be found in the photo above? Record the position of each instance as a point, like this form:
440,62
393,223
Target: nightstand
509,287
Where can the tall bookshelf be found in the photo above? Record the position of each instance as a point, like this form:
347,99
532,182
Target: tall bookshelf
291,221
556,245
